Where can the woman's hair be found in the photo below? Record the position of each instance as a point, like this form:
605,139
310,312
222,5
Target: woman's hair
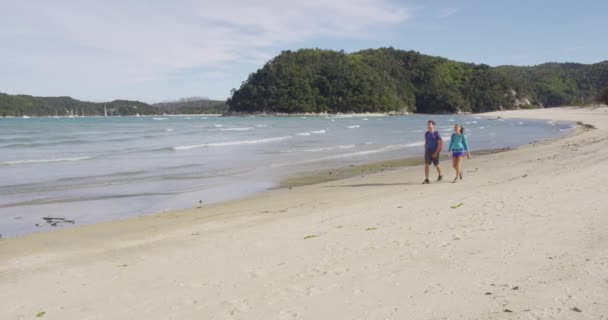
461,128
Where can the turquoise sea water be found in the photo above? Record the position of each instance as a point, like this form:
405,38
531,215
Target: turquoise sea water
106,168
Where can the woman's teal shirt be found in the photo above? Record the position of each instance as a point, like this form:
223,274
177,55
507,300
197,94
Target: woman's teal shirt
458,143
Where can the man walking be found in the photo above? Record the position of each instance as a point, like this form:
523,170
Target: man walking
432,149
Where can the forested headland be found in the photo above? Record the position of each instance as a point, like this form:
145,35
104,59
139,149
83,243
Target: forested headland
387,79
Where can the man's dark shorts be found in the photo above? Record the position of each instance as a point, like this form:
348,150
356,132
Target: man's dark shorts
428,157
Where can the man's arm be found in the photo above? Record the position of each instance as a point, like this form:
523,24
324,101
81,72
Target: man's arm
439,148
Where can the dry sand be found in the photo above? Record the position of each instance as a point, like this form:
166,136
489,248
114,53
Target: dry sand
530,241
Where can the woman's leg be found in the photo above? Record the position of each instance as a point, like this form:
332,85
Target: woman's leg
455,166
459,167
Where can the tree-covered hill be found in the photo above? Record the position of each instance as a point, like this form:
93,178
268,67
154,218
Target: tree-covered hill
193,105
555,84
20,105
26,105
386,79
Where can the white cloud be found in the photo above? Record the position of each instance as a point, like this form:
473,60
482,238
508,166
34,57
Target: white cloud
447,12
129,42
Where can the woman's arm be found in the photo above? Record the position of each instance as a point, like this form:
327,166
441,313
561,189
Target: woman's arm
465,143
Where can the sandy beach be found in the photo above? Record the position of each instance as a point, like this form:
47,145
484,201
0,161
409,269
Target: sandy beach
524,236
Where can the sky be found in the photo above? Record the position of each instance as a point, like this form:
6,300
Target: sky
157,50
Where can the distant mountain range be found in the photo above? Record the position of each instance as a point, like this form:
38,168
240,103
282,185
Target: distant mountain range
26,105
387,79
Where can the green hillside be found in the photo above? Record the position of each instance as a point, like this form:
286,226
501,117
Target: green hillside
386,79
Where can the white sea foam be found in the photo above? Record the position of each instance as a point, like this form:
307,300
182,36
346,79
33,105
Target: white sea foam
306,134
231,143
261,125
350,146
415,144
159,119
236,129
361,153
169,130
15,162
219,125
481,128
359,115
353,127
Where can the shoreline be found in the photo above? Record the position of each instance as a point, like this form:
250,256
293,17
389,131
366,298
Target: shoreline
522,233
316,177
323,114
341,173
308,178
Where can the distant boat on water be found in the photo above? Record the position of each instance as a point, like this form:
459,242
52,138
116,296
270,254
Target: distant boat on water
25,117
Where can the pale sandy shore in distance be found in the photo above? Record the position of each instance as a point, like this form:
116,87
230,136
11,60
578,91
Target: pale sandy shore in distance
528,241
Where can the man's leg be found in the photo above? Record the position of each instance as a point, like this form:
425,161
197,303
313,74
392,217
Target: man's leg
438,169
427,168
436,163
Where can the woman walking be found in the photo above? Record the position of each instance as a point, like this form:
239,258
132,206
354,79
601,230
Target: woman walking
459,148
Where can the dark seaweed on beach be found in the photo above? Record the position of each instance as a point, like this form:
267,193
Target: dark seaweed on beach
54,221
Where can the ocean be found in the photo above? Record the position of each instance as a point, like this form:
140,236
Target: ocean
94,169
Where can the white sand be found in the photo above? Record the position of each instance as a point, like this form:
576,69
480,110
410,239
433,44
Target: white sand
531,238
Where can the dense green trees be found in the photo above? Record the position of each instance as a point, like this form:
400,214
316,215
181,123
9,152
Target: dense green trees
195,105
602,97
20,105
555,84
381,80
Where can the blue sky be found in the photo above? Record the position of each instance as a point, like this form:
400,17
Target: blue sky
162,50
